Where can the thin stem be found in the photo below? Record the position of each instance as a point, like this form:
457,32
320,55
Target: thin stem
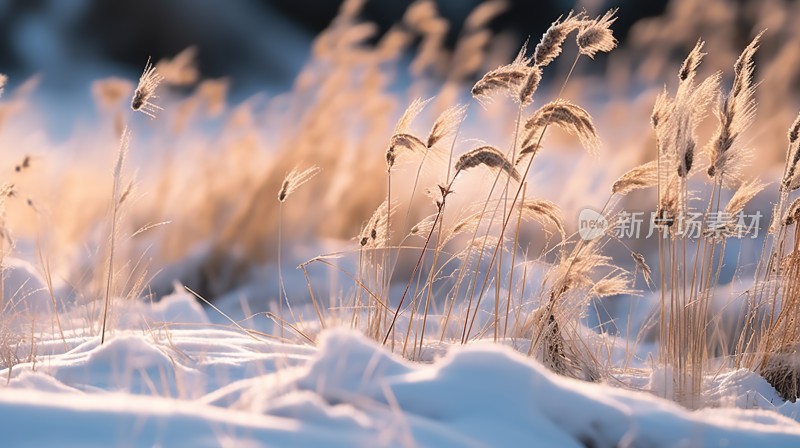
281,289
507,218
115,195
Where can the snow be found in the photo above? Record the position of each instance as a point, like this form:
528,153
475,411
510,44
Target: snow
168,376
25,288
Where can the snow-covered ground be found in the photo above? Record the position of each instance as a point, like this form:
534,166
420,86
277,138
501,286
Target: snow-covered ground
168,376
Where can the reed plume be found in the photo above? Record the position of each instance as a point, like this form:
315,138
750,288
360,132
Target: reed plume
375,231
574,271
401,138
489,157
544,212
568,116
688,69
675,121
507,79
295,179
668,203
614,284
571,274
794,130
744,194
409,115
686,111
445,125
643,267
529,87
735,114
661,111
596,35
549,46
792,156
690,109
146,91
643,176
423,227
529,150
398,142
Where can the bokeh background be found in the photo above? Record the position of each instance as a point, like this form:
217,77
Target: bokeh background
256,43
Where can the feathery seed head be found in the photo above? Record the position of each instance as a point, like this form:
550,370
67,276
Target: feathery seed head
744,194
642,176
641,265
295,179
735,114
612,285
507,79
376,230
743,69
445,125
690,108
404,123
549,47
793,156
490,157
596,35
402,137
126,192
685,166
692,61
794,130
145,91
528,149
544,212
661,109
400,142
425,226
529,87
568,116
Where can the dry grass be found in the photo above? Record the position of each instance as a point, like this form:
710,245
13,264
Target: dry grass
489,254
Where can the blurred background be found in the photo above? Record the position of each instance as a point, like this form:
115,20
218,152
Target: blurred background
261,45
256,43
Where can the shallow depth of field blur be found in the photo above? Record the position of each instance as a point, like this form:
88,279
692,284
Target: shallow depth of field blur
342,223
